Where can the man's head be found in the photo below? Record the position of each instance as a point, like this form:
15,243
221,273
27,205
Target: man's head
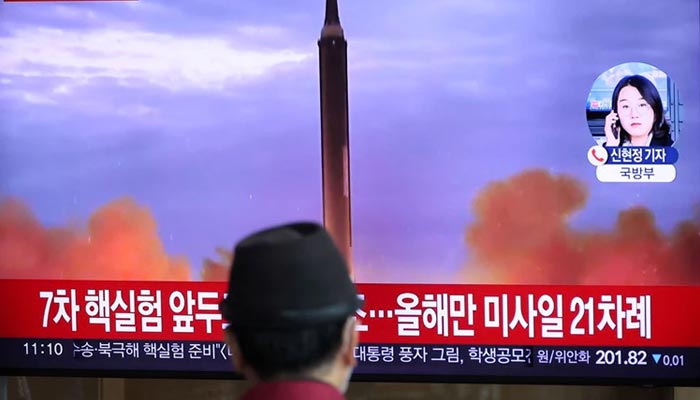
291,304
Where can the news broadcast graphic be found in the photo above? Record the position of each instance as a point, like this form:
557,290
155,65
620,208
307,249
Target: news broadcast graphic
635,114
525,331
443,147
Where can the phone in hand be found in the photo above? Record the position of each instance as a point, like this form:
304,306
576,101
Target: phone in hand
615,127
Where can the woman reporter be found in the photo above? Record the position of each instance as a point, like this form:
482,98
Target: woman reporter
637,116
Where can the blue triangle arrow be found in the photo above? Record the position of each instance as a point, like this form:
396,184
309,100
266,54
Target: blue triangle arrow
656,357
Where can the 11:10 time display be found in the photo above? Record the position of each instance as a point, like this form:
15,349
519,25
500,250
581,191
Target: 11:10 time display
51,349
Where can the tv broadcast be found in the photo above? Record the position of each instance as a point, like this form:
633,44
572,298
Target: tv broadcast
514,185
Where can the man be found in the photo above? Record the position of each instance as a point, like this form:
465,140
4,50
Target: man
290,305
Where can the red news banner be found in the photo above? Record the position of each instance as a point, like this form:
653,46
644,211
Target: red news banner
393,313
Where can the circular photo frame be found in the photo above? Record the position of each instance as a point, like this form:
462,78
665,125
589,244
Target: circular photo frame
634,104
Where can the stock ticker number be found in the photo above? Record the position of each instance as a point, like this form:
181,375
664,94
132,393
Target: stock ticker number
632,357
672,360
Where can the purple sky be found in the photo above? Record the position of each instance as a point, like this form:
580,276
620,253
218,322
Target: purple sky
208,113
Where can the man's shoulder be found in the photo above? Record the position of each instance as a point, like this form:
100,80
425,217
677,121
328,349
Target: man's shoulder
293,390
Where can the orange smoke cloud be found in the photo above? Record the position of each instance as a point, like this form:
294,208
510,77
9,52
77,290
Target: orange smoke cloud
120,242
217,271
521,234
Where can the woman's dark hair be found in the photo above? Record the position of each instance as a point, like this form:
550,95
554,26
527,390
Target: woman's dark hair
275,353
661,129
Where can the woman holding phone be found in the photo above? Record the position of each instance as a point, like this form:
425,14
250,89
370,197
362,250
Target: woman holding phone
637,116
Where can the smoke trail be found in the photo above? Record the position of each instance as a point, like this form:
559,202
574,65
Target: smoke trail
521,234
120,242
217,271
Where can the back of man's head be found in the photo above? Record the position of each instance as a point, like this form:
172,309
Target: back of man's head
290,304
293,353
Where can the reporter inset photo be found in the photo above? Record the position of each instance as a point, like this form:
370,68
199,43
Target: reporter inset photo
634,104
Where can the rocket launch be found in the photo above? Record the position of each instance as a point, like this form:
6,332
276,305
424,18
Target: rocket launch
334,131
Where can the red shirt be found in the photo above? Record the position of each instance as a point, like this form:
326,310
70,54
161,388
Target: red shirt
293,390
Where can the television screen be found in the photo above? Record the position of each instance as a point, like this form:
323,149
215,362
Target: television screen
514,183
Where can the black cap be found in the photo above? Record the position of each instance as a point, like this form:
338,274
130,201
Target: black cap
288,276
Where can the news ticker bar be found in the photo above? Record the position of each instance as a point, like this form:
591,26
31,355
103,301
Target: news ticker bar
642,316
380,359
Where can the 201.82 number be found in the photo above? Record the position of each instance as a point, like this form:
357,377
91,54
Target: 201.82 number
633,357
